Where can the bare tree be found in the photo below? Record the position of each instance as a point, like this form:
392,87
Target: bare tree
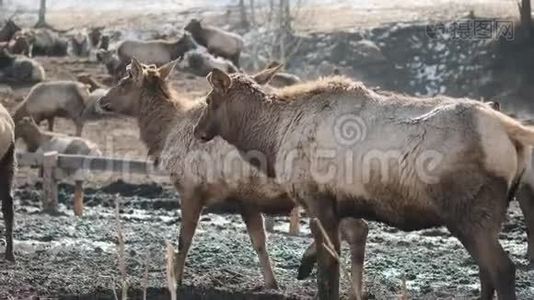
252,13
526,16
243,14
41,22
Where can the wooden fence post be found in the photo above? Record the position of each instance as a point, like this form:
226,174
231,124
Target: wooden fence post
49,198
78,198
294,221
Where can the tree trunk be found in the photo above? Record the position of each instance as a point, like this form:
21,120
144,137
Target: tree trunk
243,14
252,13
42,15
526,17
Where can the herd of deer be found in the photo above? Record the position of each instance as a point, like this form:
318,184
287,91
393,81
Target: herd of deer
317,144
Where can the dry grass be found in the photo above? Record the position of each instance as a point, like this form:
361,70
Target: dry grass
121,260
171,275
145,276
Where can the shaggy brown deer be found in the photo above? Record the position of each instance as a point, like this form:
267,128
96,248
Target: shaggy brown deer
218,42
204,174
19,69
48,100
7,173
40,141
457,162
157,52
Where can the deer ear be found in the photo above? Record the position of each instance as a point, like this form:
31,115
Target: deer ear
266,75
135,69
219,80
166,69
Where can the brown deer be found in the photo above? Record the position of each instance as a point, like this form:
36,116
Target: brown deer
52,99
218,42
476,155
19,68
204,174
7,173
158,52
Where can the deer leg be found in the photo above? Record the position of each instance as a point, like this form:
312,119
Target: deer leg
308,260
7,169
79,128
294,221
479,234
525,196
191,209
323,215
354,231
235,59
254,221
496,270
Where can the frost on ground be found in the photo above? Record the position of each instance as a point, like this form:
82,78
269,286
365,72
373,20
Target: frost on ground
61,256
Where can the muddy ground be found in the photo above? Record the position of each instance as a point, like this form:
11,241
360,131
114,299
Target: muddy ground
75,258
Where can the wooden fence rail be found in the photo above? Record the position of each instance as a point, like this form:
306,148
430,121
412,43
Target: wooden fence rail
56,166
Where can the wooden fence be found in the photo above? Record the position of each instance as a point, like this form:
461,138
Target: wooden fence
56,166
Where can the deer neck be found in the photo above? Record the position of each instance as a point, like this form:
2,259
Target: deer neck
258,133
156,116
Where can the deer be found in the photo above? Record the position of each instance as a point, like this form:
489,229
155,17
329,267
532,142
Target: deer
156,52
39,141
20,69
48,100
7,173
476,155
166,124
218,42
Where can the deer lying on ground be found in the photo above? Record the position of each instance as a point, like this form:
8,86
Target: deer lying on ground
201,64
280,79
218,42
48,100
203,174
46,42
19,69
7,173
157,52
40,141
458,162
